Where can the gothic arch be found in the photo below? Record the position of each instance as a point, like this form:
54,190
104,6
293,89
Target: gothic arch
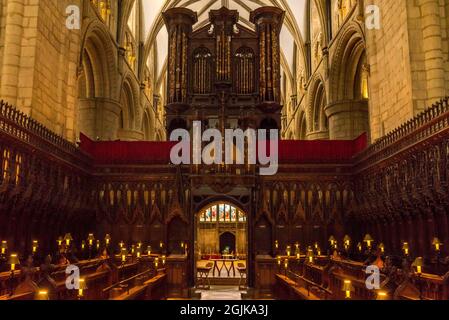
317,102
127,102
301,126
148,125
350,49
98,61
129,98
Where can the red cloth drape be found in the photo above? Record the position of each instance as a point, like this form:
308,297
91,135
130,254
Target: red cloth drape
290,152
121,152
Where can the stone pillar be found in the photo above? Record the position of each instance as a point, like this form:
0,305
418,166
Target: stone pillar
179,23
269,21
320,135
347,119
12,50
130,135
99,118
433,49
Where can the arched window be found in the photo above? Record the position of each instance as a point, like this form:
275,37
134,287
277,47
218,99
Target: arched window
320,121
244,71
222,213
202,71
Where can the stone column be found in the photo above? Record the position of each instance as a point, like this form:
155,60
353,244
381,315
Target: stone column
99,118
347,119
12,50
130,135
433,49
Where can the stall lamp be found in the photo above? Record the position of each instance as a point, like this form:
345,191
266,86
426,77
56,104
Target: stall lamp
382,295
279,260
359,247
418,264
368,239
82,287
59,241
4,246
164,258
298,254
149,250
182,244
83,245
42,295
13,261
310,255
316,245
98,244
286,264
437,244
123,253
156,262
289,251
406,249
139,245
276,244
347,241
297,245
347,288
107,239
35,244
121,244
161,244
138,253
91,239
68,238
133,249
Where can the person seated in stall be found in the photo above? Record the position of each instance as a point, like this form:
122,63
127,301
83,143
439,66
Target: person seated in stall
46,280
72,252
27,274
336,255
62,259
105,265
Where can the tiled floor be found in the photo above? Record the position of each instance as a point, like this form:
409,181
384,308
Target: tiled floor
221,293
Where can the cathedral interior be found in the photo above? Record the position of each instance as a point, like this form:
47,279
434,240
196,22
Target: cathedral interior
93,90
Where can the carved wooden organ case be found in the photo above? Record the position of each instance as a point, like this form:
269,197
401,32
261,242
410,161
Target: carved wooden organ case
223,73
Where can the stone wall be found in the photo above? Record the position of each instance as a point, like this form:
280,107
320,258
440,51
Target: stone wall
40,69
408,58
39,62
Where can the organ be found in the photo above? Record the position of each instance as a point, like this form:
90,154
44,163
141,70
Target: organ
212,70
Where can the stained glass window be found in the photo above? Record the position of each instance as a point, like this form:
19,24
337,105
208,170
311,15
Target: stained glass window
222,213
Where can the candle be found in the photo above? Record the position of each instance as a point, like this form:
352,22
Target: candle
81,288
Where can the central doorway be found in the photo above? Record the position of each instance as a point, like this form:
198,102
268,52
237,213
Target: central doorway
221,246
227,242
